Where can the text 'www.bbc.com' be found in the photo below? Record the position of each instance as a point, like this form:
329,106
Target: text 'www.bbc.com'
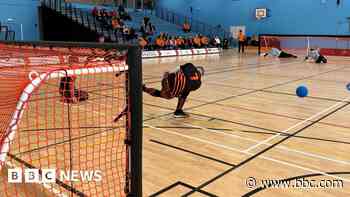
302,183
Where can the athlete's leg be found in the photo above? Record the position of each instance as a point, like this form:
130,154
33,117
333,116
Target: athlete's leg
180,103
319,60
179,113
242,44
239,46
286,55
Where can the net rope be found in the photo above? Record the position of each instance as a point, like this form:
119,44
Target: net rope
57,110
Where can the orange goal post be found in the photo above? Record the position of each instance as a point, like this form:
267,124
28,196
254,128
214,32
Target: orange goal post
70,119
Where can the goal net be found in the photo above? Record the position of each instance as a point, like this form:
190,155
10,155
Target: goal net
70,119
300,44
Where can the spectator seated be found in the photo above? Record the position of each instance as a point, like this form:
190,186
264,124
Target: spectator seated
186,27
166,42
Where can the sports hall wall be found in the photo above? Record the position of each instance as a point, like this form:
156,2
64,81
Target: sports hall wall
286,16
23,12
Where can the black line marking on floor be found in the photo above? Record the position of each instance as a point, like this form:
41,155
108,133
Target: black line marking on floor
247,68
165,189
211,119
275,114
257,90
187,127
263,151
272,131
275,92
236,69
218,68
200,191
193,153
276,85
261,188
184,185
296,136
318,79
250,92
253,91
308,97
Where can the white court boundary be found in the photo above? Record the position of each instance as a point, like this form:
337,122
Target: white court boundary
248,153
278,147
298,124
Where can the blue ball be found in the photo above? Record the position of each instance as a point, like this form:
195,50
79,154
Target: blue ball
302,91
348,86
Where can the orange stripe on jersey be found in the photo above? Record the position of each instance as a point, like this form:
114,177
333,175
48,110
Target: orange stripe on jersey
173,93
184,83
179,85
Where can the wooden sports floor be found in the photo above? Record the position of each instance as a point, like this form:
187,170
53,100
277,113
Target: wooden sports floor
246,124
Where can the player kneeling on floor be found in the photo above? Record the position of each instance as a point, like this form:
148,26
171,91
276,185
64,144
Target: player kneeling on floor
316,56
279,53
179,84
68,91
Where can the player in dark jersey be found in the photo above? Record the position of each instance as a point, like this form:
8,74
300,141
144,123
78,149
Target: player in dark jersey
179,84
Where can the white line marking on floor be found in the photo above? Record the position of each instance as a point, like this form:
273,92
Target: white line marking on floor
278,147
298,124
240,151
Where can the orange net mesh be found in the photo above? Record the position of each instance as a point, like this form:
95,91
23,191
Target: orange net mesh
57,110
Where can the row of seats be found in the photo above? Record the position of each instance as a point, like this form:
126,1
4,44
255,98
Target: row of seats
137,17
165,42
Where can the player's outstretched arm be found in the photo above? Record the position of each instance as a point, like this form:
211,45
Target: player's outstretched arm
151,91
157,93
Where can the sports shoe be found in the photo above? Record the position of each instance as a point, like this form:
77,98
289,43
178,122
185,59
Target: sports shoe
180,114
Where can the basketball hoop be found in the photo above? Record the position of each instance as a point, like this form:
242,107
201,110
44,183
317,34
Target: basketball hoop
260,13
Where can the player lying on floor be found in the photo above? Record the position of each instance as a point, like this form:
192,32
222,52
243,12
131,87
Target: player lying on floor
316,56
179,84
279,53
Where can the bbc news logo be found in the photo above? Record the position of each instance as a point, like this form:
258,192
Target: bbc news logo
18,175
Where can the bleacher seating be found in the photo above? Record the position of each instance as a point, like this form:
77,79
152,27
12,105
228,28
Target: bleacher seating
137,17
82,14
161,25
